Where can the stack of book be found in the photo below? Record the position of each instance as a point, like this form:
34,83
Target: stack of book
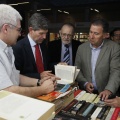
85,106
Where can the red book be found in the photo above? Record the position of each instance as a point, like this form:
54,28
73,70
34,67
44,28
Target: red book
76,92
115,113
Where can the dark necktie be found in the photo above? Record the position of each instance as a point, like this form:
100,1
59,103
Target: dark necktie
38,56
66,57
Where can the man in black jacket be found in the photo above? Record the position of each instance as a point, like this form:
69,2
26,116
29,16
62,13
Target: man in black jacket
57,48
24,50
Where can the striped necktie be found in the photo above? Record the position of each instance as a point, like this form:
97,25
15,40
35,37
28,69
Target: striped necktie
66,57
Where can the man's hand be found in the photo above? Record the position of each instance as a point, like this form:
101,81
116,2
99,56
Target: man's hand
47,86
89,87
62,63
54,79
46,74
113,102
105,94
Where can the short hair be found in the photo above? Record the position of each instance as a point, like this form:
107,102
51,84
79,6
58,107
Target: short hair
38,21
114,30
103,23
69,24
8,15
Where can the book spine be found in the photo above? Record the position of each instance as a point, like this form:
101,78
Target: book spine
76,92
110,113
77,107
96,112
106,113
115,114
80,95
84,97
102,112
83,109
97,99
92,111
89,98
69,106
85,113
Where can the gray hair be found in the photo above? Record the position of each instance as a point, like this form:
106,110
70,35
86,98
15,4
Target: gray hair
38,21
8,15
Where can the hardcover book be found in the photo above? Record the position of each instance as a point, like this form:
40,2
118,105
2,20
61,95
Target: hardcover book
18,107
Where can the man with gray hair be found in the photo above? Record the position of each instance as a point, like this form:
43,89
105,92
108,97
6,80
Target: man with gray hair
25,51
10,79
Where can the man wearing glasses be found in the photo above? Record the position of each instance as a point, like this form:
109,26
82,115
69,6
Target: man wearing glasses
115,35
63,51
10,79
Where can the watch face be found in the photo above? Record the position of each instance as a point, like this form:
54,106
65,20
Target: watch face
38,82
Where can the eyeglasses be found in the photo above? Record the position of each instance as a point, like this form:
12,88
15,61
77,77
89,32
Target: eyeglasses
64,35
117,35
18,29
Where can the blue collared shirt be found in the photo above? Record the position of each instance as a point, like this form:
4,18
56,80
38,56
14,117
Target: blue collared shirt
94,57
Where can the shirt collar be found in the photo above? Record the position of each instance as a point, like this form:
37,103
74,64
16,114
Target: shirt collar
98,47
32,42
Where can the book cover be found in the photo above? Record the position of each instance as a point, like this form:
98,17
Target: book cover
60,89
18,107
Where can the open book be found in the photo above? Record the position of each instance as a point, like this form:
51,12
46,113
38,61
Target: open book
67,73
18,107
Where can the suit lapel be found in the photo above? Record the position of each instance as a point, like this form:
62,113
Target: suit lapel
29,51
101,54
88,58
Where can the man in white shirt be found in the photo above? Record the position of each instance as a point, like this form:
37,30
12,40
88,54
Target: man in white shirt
10,79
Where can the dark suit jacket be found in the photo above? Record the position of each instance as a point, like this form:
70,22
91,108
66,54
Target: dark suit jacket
24,58
54,52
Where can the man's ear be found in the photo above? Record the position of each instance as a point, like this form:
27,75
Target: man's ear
106,35
30,28
4,28
59,31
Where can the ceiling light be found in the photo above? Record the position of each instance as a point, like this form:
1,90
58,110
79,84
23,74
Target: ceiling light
59,11
66,12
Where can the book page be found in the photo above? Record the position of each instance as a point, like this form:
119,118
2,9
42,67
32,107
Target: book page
17,107
65,73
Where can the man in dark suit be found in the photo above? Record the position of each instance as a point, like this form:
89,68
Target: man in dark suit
57,48
24,50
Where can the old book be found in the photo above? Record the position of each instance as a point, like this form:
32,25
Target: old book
16,107
110,113
81,111
106,113
67,73
78,97
87,111
63,101
55,94
115,113
92,111
96,112
102,112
